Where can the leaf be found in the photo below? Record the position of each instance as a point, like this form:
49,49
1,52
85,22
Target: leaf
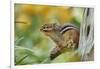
67,57
25,56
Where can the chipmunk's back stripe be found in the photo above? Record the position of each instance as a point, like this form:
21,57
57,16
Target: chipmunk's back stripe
67,28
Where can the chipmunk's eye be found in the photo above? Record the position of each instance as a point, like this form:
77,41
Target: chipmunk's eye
44,27
47,27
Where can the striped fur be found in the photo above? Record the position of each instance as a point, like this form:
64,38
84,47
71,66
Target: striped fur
67,28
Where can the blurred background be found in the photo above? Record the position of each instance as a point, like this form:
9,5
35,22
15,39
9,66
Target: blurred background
31,45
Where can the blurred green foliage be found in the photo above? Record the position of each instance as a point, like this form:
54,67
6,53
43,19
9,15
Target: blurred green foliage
31,45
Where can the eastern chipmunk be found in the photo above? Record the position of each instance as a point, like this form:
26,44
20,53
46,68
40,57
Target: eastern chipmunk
66,37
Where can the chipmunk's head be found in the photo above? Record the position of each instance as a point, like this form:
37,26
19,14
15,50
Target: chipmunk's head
49,28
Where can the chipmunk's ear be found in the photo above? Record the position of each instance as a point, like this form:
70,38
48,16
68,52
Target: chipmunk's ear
57,26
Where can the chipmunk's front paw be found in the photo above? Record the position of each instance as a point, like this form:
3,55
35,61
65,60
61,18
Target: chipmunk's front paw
71,45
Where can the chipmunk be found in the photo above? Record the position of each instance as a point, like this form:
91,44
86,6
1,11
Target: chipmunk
66,37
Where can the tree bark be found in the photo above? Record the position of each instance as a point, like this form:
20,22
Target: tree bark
86,42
